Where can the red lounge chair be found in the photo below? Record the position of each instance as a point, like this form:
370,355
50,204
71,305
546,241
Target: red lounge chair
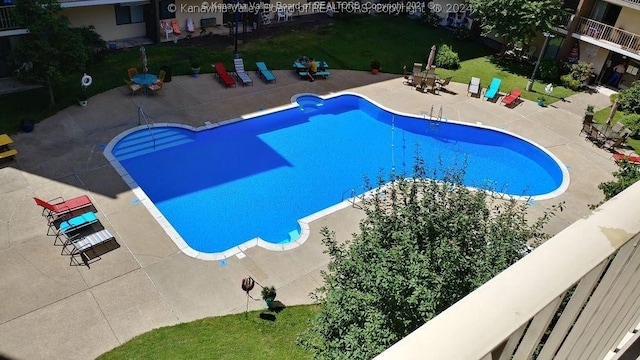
58,206
223,75
631,159
512,97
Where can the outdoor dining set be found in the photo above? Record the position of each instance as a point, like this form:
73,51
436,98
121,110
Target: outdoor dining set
425,79
607,135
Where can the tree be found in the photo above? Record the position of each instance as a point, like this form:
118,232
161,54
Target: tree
423,245
629,99
52,50
627,174
516,20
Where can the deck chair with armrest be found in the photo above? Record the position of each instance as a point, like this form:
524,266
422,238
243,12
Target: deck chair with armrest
132,86
57,207
416,74
156,87
614,143
132,72
474,87
442,84
241,74
586,128
264,72
492,90
512,98
191,29
223,75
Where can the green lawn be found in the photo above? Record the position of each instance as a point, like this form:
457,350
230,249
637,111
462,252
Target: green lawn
240,336
349,43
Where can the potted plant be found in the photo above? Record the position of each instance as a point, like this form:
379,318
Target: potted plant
195,69
375,66
83,99
268,295
588,113
541,100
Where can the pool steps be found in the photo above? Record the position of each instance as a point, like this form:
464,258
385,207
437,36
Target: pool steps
142,142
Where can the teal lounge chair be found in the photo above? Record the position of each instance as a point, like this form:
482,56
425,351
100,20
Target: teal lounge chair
264,72
492,90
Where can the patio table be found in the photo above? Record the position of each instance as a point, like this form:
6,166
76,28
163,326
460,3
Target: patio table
144,80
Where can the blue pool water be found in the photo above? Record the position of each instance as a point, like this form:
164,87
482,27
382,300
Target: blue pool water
224,186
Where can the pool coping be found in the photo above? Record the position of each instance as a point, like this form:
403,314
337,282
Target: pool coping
303,222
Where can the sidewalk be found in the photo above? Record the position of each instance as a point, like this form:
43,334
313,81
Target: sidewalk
53,310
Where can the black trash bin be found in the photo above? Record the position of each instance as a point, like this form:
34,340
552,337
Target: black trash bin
167,73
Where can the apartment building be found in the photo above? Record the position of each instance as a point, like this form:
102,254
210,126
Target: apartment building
604,33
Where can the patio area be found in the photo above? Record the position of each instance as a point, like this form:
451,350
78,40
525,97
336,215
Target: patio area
53,310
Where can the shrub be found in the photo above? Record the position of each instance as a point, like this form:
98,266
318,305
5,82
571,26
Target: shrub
629,99
569,82
96,46
613,97
447,58
549,70
431,18
632,122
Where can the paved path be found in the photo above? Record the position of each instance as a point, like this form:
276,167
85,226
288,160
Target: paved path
53,310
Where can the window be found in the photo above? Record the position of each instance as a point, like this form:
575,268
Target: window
129,14
632,70
164,9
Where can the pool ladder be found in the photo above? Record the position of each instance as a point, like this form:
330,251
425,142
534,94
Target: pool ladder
142,116
436,121
353,196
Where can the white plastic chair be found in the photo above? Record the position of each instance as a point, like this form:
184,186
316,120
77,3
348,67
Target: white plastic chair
281,14
166,28
288,14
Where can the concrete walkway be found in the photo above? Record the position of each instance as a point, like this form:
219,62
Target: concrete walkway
53,310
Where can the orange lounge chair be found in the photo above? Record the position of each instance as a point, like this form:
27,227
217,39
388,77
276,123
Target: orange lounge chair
512,97
175,27
631,159
223,75
59,206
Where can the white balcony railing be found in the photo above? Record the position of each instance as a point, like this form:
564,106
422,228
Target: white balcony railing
597,30
6,20
633,2
577,296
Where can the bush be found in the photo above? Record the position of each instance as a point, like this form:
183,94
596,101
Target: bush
632,122
549,70
579,74
569,82
431,18
96,47
447,58
629,99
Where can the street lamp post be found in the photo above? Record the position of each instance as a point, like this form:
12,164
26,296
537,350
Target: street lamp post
547,36
235,16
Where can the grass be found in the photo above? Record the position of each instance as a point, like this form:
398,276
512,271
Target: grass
239,336
348,43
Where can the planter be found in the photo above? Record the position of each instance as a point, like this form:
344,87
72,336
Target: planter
195,71
540,102
588,117
27,126
374,71
83,103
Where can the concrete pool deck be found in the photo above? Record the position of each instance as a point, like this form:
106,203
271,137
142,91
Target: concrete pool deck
53,310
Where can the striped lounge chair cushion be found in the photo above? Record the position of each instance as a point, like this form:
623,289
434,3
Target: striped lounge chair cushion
92,240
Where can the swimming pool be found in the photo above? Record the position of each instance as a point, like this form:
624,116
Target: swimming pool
220,189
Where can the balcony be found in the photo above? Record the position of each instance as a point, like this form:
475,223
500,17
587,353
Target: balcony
6,20
577,296
609,35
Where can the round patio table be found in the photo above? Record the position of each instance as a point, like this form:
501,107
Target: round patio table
144,80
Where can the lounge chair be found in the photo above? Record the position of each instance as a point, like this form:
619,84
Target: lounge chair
264,72
427,82
631,159
474,87
492,90
57,207
512,98
416,74
241,73
223,75
77,246
72,224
